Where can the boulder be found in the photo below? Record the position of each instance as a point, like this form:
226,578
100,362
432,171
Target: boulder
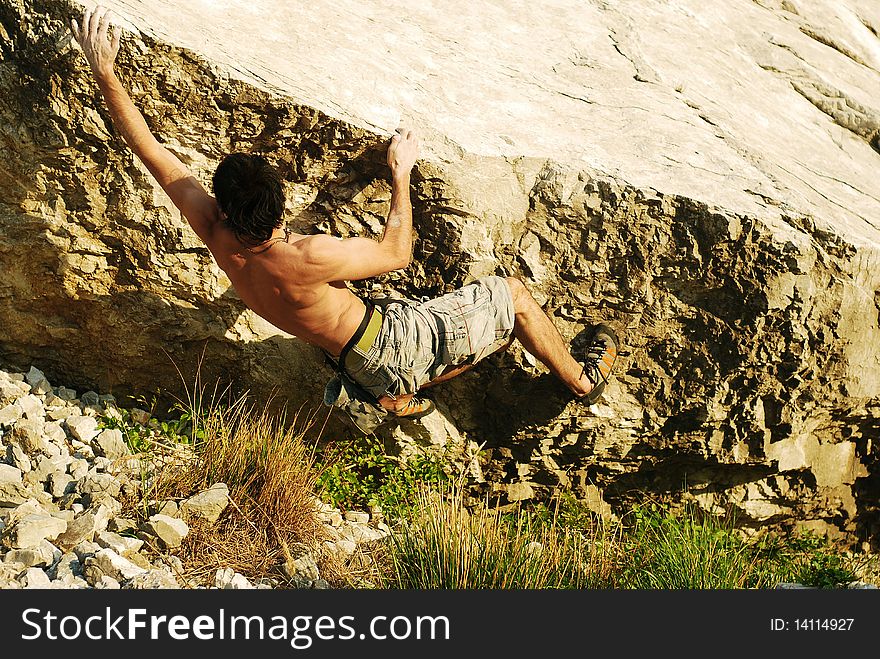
700,175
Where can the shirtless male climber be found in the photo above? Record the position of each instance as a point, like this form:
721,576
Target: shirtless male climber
298,282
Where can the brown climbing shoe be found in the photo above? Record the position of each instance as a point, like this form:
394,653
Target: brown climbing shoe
416,408
601,353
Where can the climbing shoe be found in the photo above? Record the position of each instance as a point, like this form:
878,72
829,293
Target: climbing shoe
416,408
601,353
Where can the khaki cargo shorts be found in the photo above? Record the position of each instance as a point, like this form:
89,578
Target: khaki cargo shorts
419,340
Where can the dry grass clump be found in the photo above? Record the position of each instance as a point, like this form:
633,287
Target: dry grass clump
270,473
264,462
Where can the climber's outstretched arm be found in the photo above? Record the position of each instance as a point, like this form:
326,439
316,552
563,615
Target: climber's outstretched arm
360,258
197,206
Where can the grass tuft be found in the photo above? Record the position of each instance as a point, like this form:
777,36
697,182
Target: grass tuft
263,459
444,544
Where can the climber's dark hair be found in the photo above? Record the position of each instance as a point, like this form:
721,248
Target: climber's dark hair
250,193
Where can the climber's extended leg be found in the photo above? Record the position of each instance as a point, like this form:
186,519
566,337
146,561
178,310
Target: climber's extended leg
539,336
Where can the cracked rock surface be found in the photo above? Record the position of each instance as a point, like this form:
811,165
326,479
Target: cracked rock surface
699,174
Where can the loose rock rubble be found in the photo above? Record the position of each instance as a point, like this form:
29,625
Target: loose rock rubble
62,474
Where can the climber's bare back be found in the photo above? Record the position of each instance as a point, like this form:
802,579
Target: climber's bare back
297,285
282,284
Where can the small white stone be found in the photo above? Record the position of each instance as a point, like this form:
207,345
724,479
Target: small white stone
227,579
107,583
115,565
83,428
101,463
34,578
55,433
51,400
61,413
84,453
357,517
122,545
9,474
78,468
345,547
10,414
31,529
361,534
31,406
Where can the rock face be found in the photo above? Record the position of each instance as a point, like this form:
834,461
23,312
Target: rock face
699,174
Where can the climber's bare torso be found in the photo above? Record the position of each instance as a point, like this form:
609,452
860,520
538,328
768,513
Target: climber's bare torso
281,283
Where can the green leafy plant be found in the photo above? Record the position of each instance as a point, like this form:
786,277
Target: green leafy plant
689,549
179,429
694,549
808,559
362,474
135,435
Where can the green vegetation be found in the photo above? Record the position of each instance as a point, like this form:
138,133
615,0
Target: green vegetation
135,435
178,428
362,475
693,549
689,550
439,537
444,545
808,559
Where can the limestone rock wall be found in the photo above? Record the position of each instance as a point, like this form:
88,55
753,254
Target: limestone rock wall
717,204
